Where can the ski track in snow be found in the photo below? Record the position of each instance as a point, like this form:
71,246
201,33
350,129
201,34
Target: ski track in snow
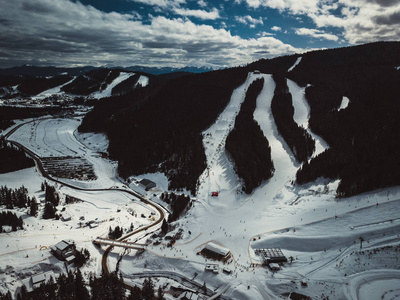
219,174
302,114
107,91
52,91
298,60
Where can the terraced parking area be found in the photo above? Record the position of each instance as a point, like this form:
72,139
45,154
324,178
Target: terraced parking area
69,167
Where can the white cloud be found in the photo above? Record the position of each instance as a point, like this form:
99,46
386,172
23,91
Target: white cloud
360,21
62,32
315,33
249,20
276,28
161,3
264,33
201,14
202,3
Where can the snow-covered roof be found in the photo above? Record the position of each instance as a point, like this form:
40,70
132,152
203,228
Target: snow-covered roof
217,248
63,245
38,278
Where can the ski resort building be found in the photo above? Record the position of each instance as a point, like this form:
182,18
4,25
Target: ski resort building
147,184
216,252
36,280
271,255
64,250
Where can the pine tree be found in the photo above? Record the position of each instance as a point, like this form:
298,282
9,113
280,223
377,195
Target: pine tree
148,289
160,294
81,292
33,208
164,227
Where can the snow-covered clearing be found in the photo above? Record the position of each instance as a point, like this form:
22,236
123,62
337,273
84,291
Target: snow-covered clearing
344,104
143,80
307,222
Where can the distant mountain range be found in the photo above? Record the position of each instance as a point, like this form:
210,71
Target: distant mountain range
27,70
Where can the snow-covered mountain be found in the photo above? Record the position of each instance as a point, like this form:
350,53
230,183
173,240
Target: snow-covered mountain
348,103
294,156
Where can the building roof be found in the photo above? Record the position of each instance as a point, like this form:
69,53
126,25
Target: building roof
38,278
63,245
147,182
211,246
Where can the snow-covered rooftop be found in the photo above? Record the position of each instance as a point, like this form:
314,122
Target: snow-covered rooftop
216,248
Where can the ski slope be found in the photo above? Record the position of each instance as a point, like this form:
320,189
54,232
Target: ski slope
302,115
107,91
307,222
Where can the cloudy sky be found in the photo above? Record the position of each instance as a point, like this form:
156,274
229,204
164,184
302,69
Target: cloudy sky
176,33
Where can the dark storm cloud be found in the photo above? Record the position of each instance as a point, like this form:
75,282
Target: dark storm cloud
384,3
392,19
61,32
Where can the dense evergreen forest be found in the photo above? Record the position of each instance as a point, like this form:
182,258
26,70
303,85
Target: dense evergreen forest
158,128
8,113
72,286
247,145
178,204
15,198
364,138
12,159
297,138
10,219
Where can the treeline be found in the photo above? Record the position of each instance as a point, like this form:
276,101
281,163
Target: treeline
10,219
14,198
13,113
364,138
12,159
115,233
4,124
72,286
52,199
18,198
158,128
178,204
248,146
34,85
297,138
91,82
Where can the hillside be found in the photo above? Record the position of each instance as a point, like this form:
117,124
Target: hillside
363,137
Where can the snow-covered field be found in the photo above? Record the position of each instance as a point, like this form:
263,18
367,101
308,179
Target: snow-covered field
321,233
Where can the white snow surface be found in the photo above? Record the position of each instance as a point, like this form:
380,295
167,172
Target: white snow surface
307,222
107,91
298,60
52,91
143,80
302,115
344,104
